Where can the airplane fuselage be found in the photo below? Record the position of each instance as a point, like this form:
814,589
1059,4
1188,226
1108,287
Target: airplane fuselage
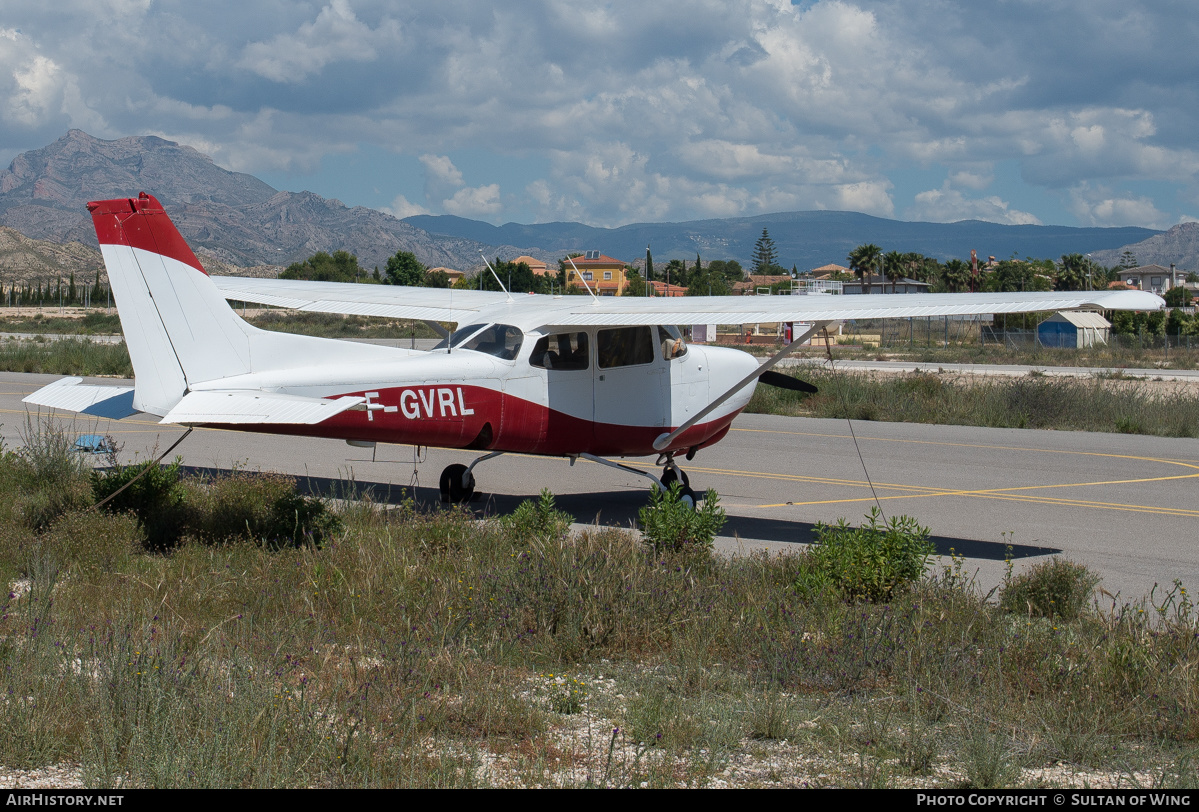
464,398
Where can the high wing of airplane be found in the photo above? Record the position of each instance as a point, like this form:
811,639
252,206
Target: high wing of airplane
569,376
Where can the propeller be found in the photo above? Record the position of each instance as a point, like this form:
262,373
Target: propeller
772,378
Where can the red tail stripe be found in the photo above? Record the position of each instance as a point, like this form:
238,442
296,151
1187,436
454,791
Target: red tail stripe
141,222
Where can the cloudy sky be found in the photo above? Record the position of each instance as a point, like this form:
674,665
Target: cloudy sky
1079,112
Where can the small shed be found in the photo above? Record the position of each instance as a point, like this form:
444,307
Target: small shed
1073,328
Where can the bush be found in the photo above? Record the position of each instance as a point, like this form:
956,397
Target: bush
297,519
868,563
46,478
262,507
538,519
1056,588
670,524
156,498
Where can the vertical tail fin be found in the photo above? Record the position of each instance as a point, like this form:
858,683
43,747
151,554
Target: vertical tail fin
178,327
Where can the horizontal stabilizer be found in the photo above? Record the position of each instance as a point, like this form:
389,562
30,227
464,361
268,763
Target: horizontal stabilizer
73,395
242,407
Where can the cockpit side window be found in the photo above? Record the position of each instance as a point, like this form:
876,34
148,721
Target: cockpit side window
561,351
673,345
499,340
458,336
624,347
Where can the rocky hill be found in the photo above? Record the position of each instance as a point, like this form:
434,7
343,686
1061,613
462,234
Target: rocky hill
23,259
232,216
26,260
1179,247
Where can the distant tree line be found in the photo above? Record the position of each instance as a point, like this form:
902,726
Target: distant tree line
1070,272
341,266
55,291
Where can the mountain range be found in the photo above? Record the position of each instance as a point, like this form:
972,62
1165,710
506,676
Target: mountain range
242,221
806,239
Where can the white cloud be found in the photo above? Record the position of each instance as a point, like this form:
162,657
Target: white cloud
400,207
335,35
39,88
643,111
949,205
37,91
483,201
972,179
441,170
1100,206
867,196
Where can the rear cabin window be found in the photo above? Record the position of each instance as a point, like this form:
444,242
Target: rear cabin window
624,347
565,351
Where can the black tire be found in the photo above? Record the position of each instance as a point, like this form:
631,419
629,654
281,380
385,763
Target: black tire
452,489
688,497
669,478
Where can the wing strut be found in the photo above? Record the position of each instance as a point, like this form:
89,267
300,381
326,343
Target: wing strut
594,298
497,279
665,440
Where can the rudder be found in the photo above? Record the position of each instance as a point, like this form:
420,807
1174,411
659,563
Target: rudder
179,329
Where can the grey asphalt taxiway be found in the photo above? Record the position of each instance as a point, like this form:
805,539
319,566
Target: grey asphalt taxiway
1124,505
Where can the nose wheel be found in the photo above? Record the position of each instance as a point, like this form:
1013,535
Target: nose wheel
457,484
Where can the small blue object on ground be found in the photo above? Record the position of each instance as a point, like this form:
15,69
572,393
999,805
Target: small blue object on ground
93,444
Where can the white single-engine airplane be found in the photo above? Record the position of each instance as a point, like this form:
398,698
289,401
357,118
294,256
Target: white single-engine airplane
568,376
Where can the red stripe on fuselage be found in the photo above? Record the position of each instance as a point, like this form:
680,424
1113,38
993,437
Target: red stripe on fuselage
432,415
141,222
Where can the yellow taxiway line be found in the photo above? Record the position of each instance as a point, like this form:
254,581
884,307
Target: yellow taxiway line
1015,494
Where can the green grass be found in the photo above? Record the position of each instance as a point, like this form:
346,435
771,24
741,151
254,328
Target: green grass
67,356
426,649
1031,401
332,325
81,356
327,325
95,322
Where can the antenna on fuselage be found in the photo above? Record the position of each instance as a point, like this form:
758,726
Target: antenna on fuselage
594,298
497,279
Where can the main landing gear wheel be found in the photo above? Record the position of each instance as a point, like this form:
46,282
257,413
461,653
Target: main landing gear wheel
453,490
669,477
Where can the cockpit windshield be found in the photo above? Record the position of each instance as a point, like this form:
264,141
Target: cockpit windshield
673,345
499,340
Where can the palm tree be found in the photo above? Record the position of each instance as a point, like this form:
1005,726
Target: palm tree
956,275
894,266
1073,272
864,261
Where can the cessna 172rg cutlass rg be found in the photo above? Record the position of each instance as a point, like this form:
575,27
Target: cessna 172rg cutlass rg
569,376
